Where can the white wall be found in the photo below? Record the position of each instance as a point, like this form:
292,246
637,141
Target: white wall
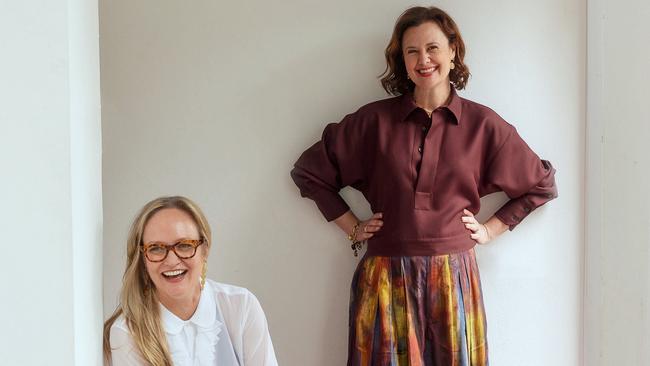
51,308
617,312
216,100
529,62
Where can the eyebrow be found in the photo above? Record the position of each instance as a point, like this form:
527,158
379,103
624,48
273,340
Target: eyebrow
428,44
165,243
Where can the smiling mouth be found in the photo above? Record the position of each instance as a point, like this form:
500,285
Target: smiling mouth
174,274
427,71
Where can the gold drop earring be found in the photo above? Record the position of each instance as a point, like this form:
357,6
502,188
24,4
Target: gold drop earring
204,272
452,65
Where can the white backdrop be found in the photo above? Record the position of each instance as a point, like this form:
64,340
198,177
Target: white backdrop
216,100
617,297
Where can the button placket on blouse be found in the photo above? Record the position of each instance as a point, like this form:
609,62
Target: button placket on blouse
425,128
419,131
418,158
429,161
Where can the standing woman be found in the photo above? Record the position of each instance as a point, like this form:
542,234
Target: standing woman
422,159
169,313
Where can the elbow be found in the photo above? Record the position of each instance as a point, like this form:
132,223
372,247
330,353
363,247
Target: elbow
547,184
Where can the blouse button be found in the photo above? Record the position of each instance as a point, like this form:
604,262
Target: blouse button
515,217
420,149
526,209
424,128
549,195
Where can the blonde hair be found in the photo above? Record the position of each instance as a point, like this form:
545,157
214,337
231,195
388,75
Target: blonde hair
138,300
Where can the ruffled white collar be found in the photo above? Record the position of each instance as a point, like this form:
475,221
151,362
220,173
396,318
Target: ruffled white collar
204,317
203,339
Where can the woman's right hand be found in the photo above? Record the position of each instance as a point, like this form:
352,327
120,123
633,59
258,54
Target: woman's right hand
368,228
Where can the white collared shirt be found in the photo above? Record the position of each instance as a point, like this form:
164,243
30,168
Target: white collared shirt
228,329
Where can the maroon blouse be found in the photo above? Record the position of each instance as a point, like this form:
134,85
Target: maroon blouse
421,172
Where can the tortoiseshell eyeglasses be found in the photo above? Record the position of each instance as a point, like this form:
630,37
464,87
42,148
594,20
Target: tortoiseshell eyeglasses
184,249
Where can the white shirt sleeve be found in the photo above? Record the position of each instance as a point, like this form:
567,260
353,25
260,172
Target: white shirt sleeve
257,346
123,351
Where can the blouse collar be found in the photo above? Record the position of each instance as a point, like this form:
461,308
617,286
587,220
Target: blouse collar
407,106
204,317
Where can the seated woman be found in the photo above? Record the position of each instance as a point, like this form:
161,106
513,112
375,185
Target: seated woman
169,313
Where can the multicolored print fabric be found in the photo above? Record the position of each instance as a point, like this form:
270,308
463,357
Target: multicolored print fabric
417,311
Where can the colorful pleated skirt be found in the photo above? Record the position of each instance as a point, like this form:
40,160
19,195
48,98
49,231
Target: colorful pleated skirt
417,311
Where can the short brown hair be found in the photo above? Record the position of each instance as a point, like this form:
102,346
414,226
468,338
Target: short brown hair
395,79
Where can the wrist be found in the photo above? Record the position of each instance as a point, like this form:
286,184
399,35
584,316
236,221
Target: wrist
356,244
487,232
352,236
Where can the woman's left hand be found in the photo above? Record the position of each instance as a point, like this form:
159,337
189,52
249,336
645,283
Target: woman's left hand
479,231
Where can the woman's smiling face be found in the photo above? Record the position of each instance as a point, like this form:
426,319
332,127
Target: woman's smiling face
175,279
427,55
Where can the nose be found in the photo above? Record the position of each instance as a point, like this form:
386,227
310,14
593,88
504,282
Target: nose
172,258
423,57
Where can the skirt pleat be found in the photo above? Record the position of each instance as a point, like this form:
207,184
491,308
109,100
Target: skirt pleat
417,311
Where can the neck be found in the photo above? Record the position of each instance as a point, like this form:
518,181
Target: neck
430,99
183,308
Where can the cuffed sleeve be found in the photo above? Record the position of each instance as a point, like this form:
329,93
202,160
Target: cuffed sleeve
528,181
331,164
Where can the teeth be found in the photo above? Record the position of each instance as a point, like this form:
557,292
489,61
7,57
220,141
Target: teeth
426,71
174,273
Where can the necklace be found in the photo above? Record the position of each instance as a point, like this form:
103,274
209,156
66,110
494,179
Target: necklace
429,112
